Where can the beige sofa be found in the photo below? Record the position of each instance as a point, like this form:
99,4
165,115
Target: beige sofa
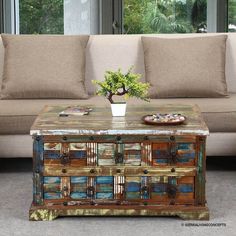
121,51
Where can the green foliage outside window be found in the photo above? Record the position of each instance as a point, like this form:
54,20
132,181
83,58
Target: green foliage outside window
140,16
41,16
232,15
164,16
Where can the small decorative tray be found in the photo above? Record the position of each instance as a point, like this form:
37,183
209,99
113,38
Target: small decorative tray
164,119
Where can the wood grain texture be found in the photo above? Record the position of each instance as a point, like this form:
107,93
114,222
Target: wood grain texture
100,122
99,165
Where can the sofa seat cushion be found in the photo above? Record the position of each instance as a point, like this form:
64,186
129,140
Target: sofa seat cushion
17,116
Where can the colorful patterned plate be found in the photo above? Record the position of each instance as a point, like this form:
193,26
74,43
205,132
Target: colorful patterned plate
164,119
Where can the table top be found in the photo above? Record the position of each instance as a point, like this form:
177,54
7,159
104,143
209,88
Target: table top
100,122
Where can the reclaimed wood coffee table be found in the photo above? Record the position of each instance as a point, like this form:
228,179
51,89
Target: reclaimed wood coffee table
102,165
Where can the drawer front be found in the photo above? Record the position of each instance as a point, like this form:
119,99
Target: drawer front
149,153
78,187
163,189
52,188
73,154
137,190
106,154
180,154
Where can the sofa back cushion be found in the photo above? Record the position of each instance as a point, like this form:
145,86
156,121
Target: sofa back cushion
111,52
44,66
186,67
106,52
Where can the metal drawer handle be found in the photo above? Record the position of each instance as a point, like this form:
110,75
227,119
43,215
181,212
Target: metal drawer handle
92,171
91,191
144,190
65,188
119,158
171,191
64,159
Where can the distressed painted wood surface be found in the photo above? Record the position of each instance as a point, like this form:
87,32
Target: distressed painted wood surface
100,122
100,165
50,213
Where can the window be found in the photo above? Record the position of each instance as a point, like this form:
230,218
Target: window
164,16
117,16
41,17
53,16
232,16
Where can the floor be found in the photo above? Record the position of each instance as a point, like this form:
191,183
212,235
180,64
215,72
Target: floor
16,197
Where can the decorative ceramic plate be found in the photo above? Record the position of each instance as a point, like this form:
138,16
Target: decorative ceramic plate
164,119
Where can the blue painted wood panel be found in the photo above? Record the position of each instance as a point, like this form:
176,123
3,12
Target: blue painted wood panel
52,180
101,195
185,146
133,195
185,188
104,188
81,187
78,195
158,188
50,196
104,179
51,154
78,179
132,187
78,154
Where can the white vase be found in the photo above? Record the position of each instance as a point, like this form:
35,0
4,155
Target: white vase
118,109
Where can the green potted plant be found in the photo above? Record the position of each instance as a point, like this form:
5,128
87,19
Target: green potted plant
117,83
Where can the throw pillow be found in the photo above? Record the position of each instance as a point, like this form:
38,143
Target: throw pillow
185,67
44,66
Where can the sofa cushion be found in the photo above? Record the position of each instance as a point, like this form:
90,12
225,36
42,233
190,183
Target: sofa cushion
44,66
187,67
17,116
111,52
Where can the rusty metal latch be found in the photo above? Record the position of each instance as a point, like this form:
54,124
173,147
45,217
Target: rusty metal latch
65,159
119,158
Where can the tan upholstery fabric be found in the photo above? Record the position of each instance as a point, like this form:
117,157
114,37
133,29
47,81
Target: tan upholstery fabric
230,66
44,66
1,61
16,116
114,51
111,52
187,67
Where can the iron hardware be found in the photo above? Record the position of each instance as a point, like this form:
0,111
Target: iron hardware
92,171
65,159
63,171
119,158
171,190
91,191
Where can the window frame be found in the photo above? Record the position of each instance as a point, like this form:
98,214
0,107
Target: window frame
111,16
